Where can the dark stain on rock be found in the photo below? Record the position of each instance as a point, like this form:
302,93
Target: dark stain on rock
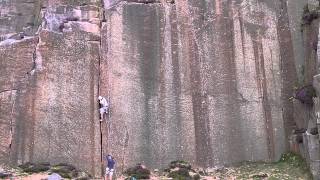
224,26
242,30
287,68
146,33
310,35
262,85
200,107
176,78
32,98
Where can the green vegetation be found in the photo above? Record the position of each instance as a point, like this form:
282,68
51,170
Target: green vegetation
290,167
65,170
180,164
31,168
138,172
181,170
180,174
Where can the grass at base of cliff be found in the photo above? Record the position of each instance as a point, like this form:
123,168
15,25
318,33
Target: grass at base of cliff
289,167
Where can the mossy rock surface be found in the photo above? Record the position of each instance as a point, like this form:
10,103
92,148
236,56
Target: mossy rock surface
25,165
290,167
196,177
180,173
182,170
65,170
64,167
138,172
35,167
83,176
294,160
180,164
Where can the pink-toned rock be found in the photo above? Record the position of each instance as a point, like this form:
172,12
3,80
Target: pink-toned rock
200,84
16,93
49,86
205,81
19,16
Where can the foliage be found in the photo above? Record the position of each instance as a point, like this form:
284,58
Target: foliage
65,170
35,168
138,172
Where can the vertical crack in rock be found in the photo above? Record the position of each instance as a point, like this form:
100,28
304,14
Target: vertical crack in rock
36,58
203,141
99,81
37,66
6,146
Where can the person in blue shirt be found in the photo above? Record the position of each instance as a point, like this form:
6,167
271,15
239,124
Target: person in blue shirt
110,167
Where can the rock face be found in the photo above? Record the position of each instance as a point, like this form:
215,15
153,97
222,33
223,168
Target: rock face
197,83
49,85
19,15
16,94
311,145
205,81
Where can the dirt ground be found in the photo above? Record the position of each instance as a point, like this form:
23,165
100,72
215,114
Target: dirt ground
289,167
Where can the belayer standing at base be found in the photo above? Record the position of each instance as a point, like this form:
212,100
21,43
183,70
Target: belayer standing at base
110,167
104,106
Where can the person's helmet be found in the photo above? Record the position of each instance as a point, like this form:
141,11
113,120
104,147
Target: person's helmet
99,97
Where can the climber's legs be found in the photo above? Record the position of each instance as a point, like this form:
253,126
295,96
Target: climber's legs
109,174
102,111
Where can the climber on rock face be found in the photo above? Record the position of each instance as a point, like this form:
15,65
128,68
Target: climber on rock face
110,167
103,107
